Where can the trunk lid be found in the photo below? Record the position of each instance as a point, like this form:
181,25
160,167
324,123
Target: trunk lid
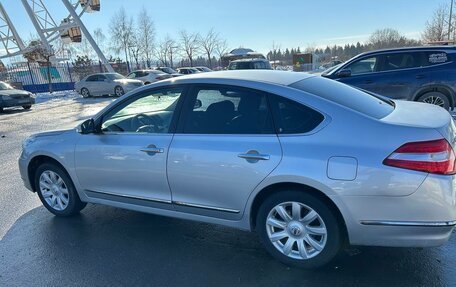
423,115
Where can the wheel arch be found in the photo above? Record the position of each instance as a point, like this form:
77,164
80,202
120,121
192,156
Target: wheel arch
38,160
277,187
447,91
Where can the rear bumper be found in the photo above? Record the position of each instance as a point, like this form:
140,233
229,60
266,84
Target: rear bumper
423,219
17,102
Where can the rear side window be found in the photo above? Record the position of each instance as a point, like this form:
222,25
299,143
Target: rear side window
291,117
436,58
346,96
397,61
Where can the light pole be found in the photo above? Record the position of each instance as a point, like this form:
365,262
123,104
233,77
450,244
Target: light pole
449,22
171,55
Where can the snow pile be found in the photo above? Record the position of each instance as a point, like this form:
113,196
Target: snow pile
61,95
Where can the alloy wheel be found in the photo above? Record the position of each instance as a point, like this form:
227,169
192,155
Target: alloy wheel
54,190
434,100
296,230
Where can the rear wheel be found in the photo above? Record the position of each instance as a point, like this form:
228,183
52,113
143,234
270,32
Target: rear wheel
147,83
27,107
298,229
118,91
85,93
435,98
56,190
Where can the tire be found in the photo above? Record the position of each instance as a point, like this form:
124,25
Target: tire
27,107
85,93
435,98
118,91
304,251
147,83
52,194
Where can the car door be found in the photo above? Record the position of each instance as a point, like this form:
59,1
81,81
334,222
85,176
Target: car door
224,147
104,85
127,159
402,74
363,74
90,84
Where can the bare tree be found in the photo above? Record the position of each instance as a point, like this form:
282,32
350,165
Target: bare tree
165,50
437,27
100,38
145,31
43,55
189,44
121,30
135,47
221,49
209,44
390,38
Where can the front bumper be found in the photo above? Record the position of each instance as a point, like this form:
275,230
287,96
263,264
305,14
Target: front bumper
17,102
23,170
423,219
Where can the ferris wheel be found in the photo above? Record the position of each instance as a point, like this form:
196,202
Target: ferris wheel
71,29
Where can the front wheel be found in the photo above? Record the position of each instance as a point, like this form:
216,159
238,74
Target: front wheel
298,229
56,190
118,91
435,98
85,93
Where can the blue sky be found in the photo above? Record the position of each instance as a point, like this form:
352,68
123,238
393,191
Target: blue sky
256,24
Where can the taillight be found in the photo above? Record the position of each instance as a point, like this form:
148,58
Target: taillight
435,156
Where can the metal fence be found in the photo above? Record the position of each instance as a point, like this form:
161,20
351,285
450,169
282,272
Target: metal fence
40,79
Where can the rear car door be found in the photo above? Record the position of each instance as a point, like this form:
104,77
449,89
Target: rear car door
224,147
364,74
127,160
401,74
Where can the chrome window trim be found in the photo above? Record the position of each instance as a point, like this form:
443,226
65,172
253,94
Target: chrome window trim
410,223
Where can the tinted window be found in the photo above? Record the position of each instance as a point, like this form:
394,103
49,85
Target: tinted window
346,96
150,113
367,65
229,110
131,75
92,78
291,117
398,61
101,78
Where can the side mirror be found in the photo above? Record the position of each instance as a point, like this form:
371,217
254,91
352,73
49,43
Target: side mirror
344,73
198,104
87,127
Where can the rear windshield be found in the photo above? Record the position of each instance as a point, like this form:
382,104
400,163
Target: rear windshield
347,96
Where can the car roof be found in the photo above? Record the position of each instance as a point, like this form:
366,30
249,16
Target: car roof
284,78
249,60
418,48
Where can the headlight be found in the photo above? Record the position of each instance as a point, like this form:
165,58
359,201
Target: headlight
27,142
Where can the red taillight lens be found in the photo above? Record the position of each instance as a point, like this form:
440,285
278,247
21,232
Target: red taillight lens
429,156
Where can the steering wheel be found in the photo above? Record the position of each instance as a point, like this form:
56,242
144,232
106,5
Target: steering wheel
146,124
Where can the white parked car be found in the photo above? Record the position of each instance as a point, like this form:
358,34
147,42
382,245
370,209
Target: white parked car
148,76
106,84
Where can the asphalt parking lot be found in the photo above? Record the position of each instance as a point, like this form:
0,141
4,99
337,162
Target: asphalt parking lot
105,246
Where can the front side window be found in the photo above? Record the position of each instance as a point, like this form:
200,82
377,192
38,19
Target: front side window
291,117
92,78
115,76
101,78
150,113
131,75
363,66
229,110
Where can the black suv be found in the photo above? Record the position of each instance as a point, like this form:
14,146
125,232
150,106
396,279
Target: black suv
425,74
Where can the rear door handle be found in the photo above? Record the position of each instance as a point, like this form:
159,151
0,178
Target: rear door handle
152,149
254,156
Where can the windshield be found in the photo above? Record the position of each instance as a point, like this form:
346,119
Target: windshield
5,86
168,70
114,76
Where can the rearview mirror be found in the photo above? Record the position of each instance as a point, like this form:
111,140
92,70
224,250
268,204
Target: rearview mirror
344,73
87,127
198,104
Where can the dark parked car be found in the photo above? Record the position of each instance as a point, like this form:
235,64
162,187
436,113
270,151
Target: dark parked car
11,97
425,74
250,64
203,69
168,70
188,70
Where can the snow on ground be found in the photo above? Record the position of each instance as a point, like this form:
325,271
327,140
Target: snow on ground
61,95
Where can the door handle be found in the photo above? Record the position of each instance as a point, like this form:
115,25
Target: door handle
254,156
152,149
368,82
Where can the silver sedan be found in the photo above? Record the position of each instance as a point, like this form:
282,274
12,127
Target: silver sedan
307,162
106,84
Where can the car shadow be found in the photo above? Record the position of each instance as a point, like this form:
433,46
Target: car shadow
112,247
12,111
